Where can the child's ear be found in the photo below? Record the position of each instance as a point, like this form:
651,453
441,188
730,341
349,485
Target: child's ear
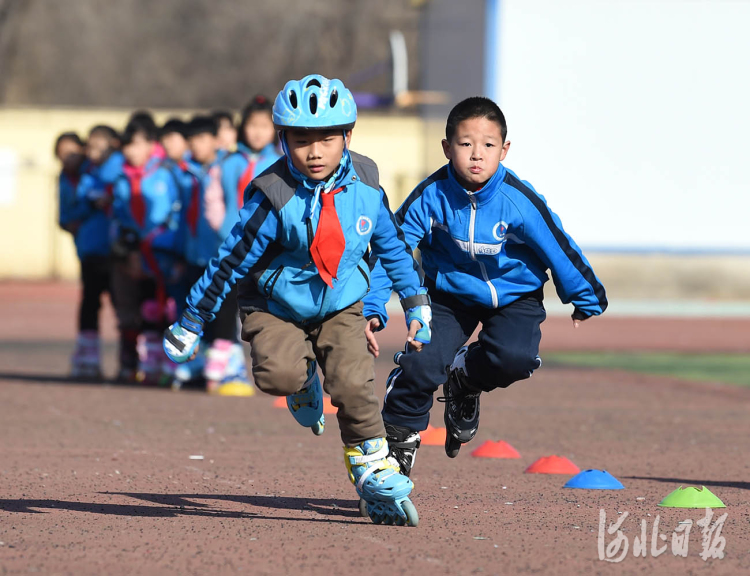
348,138
446,149
504,153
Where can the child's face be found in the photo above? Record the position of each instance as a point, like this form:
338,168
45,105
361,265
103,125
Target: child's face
316,153
138,151
97,147
227,135
174,145
203,147
259,130
70,153
475,151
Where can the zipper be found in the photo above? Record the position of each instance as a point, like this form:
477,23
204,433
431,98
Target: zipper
272,280
364,274
472,222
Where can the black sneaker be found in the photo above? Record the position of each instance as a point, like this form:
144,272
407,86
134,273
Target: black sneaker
402,446
461,406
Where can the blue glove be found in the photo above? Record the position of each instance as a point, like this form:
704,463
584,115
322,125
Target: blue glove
418,308
182,338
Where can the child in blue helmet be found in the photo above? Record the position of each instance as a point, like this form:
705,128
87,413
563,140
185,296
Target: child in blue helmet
299,254
487,239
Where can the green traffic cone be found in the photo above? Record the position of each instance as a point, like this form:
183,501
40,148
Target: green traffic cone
692,497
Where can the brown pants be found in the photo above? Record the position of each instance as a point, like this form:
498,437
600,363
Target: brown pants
280,351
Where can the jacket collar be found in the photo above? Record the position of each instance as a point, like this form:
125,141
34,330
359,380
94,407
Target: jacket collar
483,194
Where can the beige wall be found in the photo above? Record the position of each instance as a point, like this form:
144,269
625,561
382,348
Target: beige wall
32,245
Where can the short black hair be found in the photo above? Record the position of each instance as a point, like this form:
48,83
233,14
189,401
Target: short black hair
220,115
72,136
143,118
173,125
259,103
140,124
475,107
202,125
104,130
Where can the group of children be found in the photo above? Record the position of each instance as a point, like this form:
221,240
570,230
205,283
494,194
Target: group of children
148,208
316,253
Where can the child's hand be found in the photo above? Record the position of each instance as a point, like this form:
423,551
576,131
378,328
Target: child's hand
372,343
577,321
413,329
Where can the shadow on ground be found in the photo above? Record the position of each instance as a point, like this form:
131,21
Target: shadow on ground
707,483
174,505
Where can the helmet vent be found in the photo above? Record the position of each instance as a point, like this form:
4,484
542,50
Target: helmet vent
293,98
334,98
313,103
313,82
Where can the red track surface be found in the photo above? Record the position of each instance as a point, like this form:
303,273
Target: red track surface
98,480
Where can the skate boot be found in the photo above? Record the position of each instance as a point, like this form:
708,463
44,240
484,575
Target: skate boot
461,406
85,364
150,354
307,405
383,490
217,360
128,357
236,381
402,446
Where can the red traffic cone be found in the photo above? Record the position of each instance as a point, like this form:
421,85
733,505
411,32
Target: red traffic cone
433,436
499,449
553,465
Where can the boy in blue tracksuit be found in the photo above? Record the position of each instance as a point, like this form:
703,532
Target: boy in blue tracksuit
146,214
88,226
299,252
209,212
487,239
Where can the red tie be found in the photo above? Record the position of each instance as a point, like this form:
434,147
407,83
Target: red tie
329,243
137,202
245,179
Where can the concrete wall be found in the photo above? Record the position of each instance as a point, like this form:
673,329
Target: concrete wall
32,245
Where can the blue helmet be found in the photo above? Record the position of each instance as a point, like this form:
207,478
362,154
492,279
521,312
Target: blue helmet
315,102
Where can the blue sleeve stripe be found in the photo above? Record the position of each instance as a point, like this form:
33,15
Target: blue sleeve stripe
400,215
441,174
400,235
573,255
238,254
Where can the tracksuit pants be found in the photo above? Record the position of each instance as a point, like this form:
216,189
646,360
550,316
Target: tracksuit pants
507,351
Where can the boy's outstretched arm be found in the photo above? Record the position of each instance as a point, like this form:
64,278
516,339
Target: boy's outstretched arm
572,274
249,239
413,220
396,258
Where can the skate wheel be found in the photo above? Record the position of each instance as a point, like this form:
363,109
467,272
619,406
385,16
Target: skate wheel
452,446
363,508
412,518
319,427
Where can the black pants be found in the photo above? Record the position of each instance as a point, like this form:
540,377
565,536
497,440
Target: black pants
225,325
95,280
507,351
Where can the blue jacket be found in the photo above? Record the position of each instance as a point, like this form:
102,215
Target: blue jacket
200,239
269,248
233,169
77,205
490,247
157,224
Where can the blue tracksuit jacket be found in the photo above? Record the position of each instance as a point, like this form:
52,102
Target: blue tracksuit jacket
490,247
233,169
270,248
76,204
158,223
199,239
